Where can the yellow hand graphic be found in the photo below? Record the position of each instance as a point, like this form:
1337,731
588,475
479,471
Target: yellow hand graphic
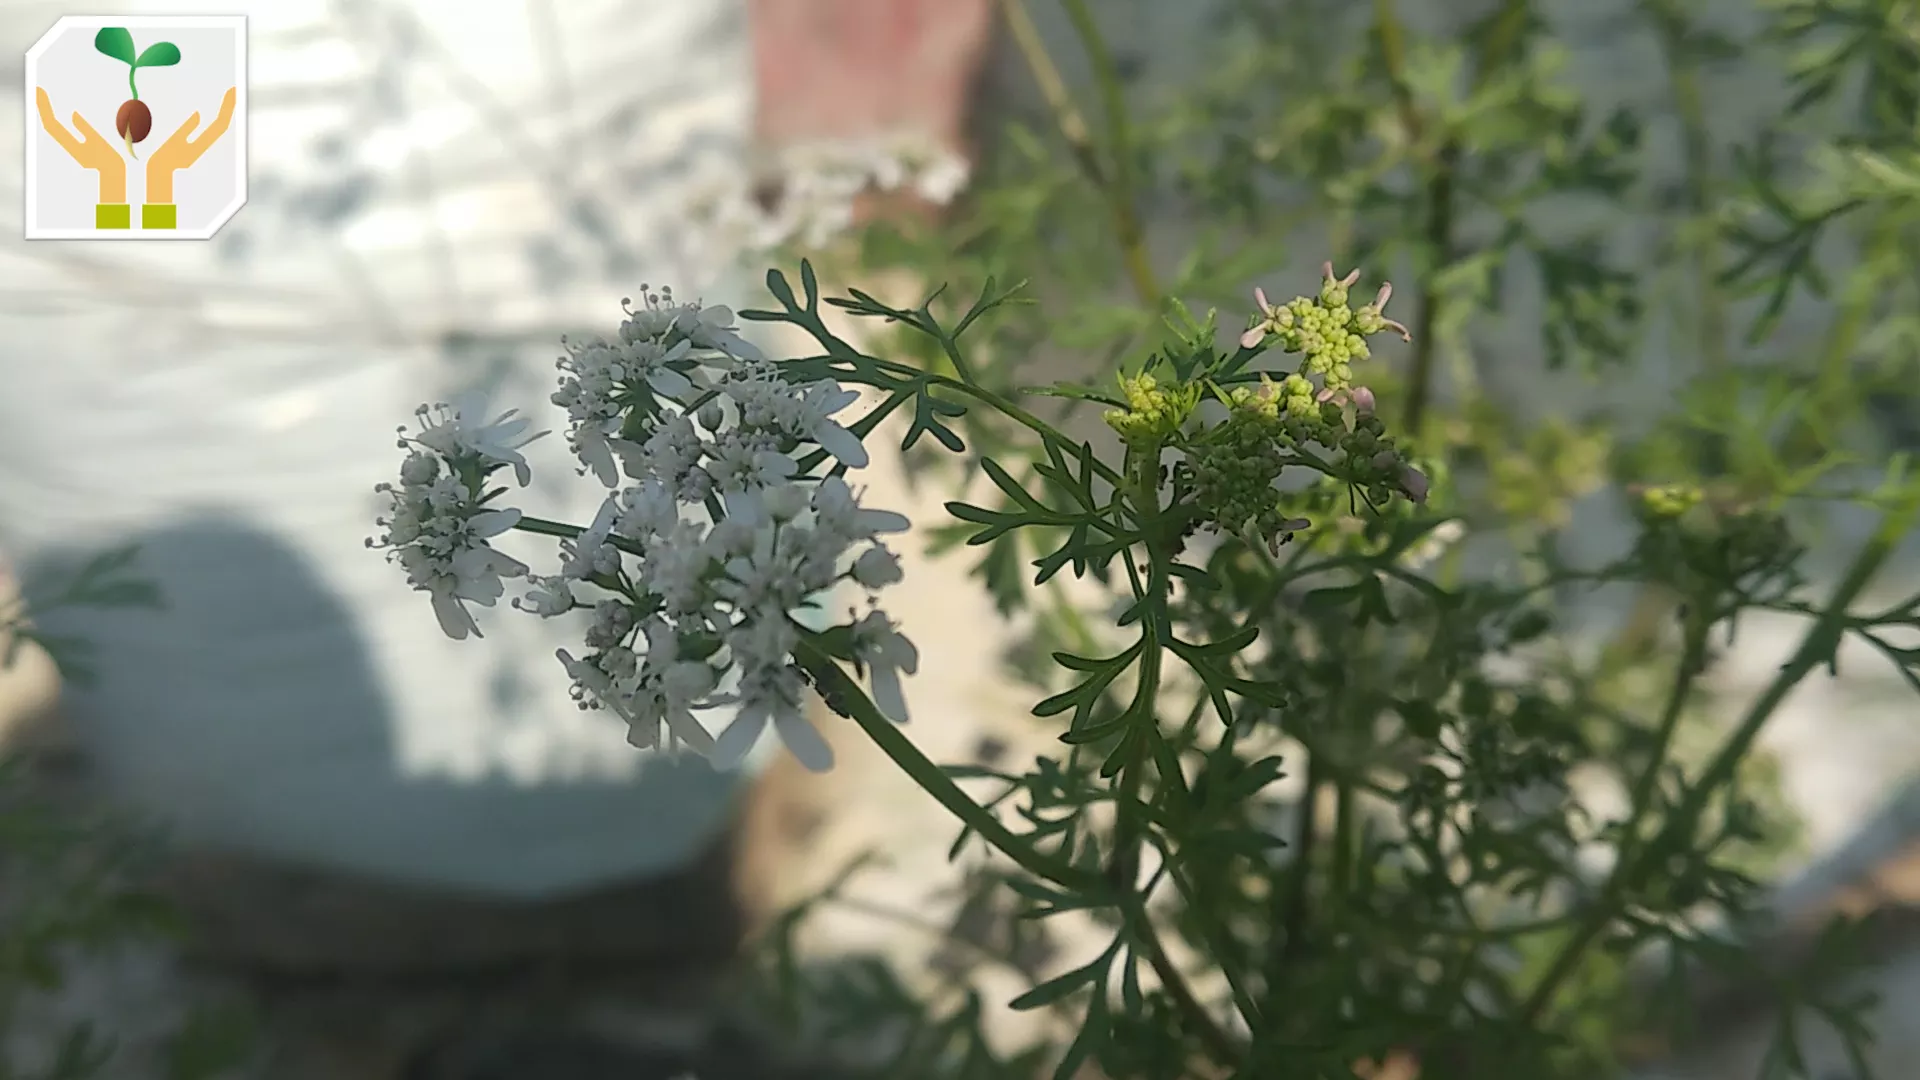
91,151
181,150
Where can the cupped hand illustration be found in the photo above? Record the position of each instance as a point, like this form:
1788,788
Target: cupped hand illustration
90,149
183,148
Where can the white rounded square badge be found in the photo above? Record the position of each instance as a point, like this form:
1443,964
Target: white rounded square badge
136,127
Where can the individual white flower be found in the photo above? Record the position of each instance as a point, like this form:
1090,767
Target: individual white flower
549,596
838,511
813,420
590,554
590,392
785,502
762,584
645,510
885,653
612,620
654,319
672,455
713,328
612,680
876,568
677,567
666,698
772,695
592,687
649,360
458,430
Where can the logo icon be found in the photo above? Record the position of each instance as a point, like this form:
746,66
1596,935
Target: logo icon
175,164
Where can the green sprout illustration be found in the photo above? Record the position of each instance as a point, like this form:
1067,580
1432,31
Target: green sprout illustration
134,121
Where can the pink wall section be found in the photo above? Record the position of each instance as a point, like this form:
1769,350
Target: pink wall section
832,69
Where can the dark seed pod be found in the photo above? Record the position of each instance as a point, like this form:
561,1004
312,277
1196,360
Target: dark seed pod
134,121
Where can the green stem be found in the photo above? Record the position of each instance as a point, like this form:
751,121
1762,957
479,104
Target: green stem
1697,150
1815,649
1290,904
1116,187
1641,629
1340,874
1640,800
885,734
1219,1044
1438,200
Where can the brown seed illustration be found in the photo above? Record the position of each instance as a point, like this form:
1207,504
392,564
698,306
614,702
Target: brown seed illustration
134,121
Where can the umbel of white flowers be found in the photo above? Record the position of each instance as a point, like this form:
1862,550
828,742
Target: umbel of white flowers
709,545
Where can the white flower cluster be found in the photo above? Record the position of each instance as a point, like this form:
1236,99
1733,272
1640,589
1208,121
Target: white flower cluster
439,519
817,184
711,543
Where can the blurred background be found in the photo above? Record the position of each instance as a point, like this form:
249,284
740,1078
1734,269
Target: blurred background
400,856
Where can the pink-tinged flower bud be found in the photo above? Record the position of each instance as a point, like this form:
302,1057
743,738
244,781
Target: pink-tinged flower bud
1386,459
1414,483
1252,338
1363,400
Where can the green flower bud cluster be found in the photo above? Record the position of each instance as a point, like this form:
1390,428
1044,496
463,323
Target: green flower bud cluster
1292,407
1670,500
1233,469
1706,539
1376,464
1154,414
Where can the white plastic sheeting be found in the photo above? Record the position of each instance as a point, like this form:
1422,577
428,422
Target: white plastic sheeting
439,189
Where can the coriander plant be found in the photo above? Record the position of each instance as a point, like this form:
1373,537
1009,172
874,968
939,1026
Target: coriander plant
1331,761
68,881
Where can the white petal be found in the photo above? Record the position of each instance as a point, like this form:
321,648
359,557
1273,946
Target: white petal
507,426
730,750
904,653
453,616
884,521
887,696
740,348
597,456
670,383
830,398
745,506
689,730
490,523
841,443
803,741
777,465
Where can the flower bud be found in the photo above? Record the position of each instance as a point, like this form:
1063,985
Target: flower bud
419,469
786,502
1414,483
